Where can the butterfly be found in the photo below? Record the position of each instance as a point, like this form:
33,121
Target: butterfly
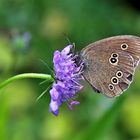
110,63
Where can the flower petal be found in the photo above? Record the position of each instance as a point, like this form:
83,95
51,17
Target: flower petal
54,108
54,94
73,103
66,50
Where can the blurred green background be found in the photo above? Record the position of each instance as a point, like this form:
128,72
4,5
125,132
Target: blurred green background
31,30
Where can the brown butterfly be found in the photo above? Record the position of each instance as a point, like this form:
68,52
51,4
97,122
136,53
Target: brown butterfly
109,64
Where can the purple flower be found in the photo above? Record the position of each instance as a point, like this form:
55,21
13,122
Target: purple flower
21,42
68,76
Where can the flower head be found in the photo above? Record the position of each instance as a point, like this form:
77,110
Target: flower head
67,75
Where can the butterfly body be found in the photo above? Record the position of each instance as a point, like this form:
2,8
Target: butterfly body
109,64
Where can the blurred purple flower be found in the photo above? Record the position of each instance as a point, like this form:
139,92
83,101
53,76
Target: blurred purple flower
68,76
27,38
21,42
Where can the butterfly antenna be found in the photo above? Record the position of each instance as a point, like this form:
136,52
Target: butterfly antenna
67,38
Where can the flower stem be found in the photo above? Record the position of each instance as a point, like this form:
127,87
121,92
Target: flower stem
26,75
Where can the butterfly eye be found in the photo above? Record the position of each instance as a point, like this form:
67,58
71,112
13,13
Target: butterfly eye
114,55
111,87
119,74
113,60
114,80
124,46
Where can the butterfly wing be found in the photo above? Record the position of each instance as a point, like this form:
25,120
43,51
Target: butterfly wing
110,63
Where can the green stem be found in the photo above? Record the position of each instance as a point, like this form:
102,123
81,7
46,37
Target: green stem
26,75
